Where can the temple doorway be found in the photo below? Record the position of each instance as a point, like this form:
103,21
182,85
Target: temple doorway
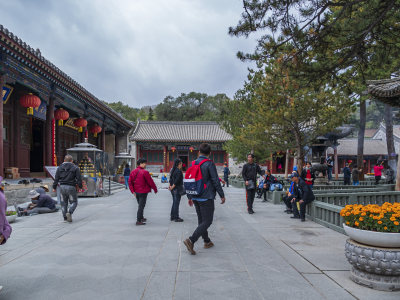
36,151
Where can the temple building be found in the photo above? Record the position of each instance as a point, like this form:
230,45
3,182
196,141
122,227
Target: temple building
43,112
162,142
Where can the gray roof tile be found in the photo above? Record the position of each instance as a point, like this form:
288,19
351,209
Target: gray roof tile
164,131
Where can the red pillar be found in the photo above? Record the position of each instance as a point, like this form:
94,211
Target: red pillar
2,82
49,132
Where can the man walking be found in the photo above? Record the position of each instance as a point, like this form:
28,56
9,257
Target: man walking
249,174
68,176
204,203
227,172
141,184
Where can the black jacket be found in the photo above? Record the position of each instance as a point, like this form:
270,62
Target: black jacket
346,172
210,177
303,192
250,172
68,174
304,174
176,177
127,172
45,201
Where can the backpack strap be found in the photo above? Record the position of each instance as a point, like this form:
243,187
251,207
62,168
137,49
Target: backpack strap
203,161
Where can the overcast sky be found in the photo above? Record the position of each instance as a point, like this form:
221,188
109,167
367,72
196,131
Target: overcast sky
136,51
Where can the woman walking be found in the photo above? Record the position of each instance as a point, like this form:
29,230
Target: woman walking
127,172
176,188
140,184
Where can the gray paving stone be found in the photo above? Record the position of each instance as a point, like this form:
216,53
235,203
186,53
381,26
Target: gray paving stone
103,255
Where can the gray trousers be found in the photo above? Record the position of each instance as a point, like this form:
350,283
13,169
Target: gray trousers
68,195
40,210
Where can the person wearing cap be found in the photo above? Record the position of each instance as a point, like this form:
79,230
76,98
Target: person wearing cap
303,194
43,204
43,189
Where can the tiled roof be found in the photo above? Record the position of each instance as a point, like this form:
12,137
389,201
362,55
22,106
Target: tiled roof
33,59
387,91
164,131
369,133
371,147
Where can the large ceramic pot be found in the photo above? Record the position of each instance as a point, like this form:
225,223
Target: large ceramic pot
373,238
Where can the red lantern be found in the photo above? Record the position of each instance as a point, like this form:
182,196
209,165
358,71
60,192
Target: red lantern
80,122
95,130
191,149
30,101
61,115
173,149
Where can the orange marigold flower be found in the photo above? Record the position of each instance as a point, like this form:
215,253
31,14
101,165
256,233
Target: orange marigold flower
379,222
396,223
356,223
385,227
347,222
361,219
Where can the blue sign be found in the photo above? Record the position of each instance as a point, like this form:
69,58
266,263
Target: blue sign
6,93
40,112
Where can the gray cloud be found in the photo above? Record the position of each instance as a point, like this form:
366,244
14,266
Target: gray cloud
136,51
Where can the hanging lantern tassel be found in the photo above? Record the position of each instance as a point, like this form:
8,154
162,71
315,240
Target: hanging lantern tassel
95,134
60,122
30,111
80,129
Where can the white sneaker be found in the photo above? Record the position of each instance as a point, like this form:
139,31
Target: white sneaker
1,288
69,217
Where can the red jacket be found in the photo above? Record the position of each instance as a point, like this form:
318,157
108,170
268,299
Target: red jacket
141,182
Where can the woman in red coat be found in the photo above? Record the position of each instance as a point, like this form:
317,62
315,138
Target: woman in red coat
140,184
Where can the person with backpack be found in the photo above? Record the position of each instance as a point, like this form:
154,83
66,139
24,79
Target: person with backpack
227,172
201,185
303,194
269,179
176,188
249,174
140,185
68,176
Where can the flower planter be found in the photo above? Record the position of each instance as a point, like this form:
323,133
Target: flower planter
11,219
373,238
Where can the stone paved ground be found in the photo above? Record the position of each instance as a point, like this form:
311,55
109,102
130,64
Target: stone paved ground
103,255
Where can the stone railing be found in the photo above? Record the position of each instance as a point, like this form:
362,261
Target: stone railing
326,208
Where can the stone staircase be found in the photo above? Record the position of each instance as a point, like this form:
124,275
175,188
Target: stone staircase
112,186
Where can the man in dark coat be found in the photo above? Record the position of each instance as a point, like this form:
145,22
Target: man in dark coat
303,194
346,174
227,172
249,174
204,203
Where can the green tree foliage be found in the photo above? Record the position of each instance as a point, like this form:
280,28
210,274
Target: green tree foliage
192,107
151,115
126,111
276,111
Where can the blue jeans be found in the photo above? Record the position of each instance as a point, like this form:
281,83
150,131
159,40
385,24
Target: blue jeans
126,181
330,173
176,200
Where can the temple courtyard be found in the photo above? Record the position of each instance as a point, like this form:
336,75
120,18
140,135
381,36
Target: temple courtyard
103,255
